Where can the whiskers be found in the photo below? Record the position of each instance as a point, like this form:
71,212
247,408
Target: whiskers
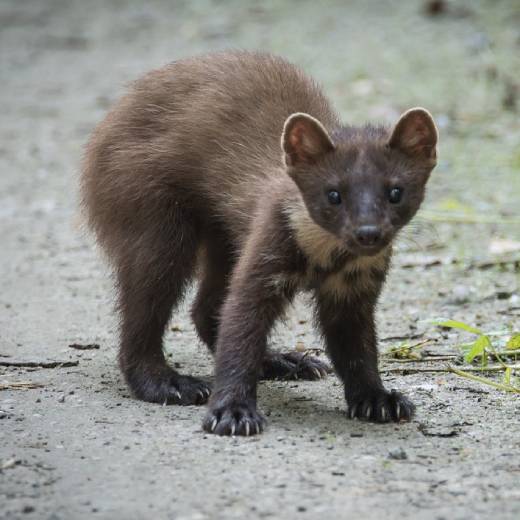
418,235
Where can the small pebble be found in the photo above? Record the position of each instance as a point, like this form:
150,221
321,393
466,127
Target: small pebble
460,294
397,454
8,464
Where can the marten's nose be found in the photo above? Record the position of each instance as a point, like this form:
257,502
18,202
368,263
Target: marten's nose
368,235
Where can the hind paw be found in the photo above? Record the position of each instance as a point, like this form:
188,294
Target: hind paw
166,386
294,365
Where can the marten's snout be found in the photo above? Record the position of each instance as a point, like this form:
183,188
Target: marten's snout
368,235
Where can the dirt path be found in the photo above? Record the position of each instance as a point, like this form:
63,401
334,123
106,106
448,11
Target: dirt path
78,447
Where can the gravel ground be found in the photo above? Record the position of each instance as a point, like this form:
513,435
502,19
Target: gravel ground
77,446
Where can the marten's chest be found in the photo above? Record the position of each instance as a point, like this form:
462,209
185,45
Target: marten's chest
323,265
348,278
343,278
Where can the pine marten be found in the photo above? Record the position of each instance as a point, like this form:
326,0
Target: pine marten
233,168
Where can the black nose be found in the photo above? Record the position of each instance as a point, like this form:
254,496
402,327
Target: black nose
368,235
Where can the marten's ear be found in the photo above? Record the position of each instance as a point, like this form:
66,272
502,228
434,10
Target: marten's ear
415,134
304,139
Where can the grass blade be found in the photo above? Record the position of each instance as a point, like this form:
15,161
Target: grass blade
453,324
485,380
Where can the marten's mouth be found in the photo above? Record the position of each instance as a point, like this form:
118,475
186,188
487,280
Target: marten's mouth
357,249
368,250
367,239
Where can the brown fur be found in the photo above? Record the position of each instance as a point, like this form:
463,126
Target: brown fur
185,177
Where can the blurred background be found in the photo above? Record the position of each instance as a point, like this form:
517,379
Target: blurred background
64,62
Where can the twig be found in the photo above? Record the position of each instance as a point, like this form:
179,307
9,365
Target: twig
79,346
403,337
407,371
492,262
20,385
39,364
433,262
428,359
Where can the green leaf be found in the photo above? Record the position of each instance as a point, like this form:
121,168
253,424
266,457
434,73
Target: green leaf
478,348
452,324
514,342
507,376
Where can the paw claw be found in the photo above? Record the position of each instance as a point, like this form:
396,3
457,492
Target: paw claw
381,406
234,419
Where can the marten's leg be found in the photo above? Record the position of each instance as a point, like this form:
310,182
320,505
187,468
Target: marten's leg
216,265
248,313
348,327
153,273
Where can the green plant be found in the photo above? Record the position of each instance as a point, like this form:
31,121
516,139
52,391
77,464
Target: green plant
407,351
483,349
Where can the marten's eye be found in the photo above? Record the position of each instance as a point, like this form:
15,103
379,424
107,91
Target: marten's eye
334,197
395,195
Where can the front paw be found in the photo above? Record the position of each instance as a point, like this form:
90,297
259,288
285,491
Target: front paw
235,418
381,406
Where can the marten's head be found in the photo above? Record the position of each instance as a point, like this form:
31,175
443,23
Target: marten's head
361,185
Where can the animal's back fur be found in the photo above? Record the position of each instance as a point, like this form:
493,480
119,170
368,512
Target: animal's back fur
201,133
